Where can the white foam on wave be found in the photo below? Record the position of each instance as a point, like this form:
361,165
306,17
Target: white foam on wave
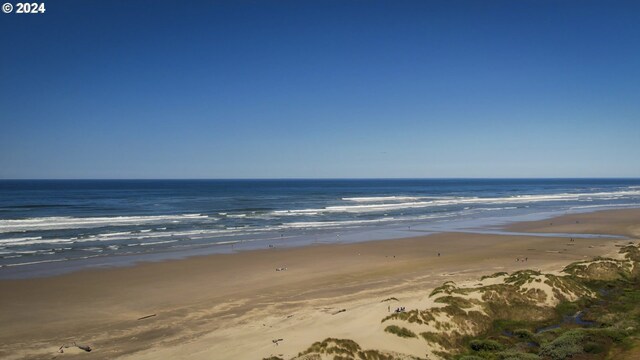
67,222
35,262
518,199
115,234
157,242
73,240
35,241
123,236
16,240
493,209
344,223
605,205
385,198
355,223
226,242
154,235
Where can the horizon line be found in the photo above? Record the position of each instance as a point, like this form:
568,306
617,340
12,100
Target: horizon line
325,178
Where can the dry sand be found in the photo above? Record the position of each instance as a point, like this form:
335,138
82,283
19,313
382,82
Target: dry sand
233,306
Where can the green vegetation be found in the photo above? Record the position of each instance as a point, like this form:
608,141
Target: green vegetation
390,299
334,346
596,317
609,322
564,346
400,331
344,349
524,334
446,288
495,275
375,355
485,345
411,316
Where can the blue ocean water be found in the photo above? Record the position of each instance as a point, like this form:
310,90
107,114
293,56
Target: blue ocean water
53,221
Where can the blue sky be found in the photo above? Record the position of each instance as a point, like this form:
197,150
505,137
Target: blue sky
315,89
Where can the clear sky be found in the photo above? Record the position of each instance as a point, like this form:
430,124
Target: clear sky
315,89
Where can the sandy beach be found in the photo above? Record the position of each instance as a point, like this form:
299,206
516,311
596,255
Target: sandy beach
237,306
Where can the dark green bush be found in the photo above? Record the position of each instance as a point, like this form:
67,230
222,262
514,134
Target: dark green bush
523,334
593,347
518,356
485,345
564,346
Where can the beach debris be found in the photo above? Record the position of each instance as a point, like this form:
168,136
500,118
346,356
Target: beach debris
146,317
339,311
276,341
86,348
290,316
281,269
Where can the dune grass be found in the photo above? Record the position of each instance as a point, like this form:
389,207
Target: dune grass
400,331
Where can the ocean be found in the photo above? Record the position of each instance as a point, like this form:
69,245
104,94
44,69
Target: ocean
52,226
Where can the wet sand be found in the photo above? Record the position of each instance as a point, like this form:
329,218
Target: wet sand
611,222
232,306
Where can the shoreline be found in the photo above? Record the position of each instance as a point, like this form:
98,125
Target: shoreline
503,225
233,305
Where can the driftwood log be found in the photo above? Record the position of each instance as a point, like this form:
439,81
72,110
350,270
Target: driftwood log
86,348
146,317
